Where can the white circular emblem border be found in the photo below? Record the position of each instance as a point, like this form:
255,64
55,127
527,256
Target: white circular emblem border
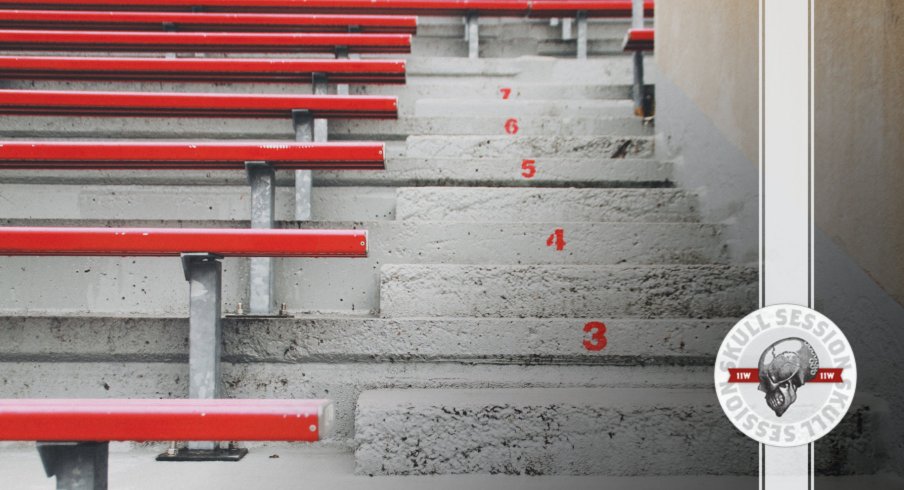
765,322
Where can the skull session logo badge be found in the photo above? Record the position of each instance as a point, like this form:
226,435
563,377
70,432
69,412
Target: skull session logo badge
785,375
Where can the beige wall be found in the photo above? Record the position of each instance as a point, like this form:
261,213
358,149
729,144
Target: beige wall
708,48
859,116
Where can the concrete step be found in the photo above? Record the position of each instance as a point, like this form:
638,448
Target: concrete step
445,107
276,465
152,202
340,382
564,291
602,70
344,339
574,431
352,129
457,47
517,146
399,172
424,87
155,286
500,28
546,205
465,204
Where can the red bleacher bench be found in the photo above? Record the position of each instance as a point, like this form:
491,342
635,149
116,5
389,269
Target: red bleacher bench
163,242
207,22
639,39
198,42
234,70
509,8
182,155
98,420
146,104
73,435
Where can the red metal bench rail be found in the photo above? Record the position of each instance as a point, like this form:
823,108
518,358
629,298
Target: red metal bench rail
162,242
198,42
131,104
164,420
233,70
207,22
182,155
507,8
639,40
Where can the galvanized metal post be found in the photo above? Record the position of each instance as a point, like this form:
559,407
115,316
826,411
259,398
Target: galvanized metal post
76,465
203,271
304,131
262,179
567,34
472,35
637,16
343,54
582,34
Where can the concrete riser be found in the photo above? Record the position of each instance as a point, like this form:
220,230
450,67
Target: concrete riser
155,286
399,172
575,431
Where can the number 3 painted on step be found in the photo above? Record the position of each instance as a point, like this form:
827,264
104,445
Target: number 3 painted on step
597,340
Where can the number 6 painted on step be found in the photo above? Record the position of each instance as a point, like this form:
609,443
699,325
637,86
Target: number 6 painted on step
511,126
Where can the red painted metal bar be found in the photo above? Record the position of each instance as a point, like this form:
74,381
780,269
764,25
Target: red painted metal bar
235,70
639,40
162,104
207,22
202,42
161,242
506,8
151,155
593,8
164,420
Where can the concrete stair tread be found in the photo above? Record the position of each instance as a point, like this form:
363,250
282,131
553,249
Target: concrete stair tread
691,291
399,172
349,339
519,147
535,431
134,467
548,205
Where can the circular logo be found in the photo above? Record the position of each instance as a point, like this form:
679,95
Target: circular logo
785,375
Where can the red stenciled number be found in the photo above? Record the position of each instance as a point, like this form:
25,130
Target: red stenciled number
557,238
511,126
597,340
528,168
506,92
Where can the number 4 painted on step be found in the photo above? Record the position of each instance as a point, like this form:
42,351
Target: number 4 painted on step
557,238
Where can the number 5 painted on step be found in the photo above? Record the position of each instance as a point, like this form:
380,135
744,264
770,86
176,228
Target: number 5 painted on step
597,340
528,168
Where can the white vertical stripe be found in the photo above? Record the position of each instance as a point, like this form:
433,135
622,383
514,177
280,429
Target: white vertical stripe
785,191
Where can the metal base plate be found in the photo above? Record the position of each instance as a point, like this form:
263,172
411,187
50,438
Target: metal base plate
204,455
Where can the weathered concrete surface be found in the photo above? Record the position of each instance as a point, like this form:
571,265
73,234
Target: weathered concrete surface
417,88
544,205
340,382
350,129
519,147
573,291
349,339
334,203
523,108
154,286
605,431
175,202
399,172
